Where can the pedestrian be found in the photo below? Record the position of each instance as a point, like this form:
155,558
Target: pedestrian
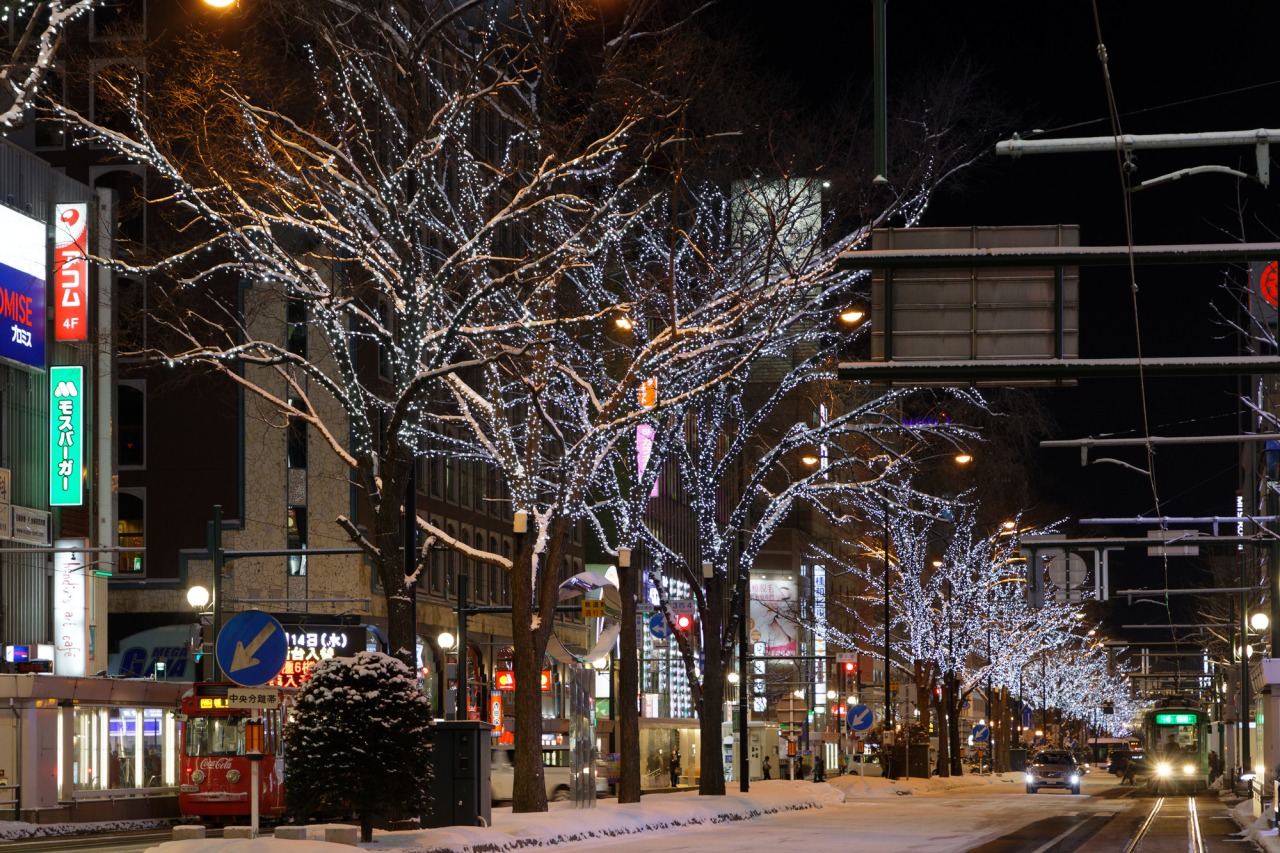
675,768
768,771
1126,773
819,768
1215,766
799,764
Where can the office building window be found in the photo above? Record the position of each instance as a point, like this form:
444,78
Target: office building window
297,538
131,508
295,319
131,415
297,439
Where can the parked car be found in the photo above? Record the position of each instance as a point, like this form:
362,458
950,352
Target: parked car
502,774
864,765
1053,768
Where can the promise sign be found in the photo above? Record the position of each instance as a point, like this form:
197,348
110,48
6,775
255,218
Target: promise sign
66,432
71,272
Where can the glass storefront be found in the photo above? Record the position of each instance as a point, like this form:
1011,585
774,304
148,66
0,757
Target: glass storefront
123,748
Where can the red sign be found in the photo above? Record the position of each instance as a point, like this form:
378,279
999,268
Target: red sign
71,273
495,713
505,679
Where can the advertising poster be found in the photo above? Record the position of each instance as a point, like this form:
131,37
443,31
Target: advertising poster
71,272
22,277
773,600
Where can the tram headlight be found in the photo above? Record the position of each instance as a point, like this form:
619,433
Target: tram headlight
1163,769
1188,770
197,776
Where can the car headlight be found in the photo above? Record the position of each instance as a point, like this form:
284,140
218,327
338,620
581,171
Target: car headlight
1031,780
233,776
1075,780
1163,769
197,776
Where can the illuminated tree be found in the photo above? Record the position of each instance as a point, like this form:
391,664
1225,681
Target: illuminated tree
34,29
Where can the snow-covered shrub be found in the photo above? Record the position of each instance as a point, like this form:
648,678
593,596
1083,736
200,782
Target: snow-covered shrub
359,741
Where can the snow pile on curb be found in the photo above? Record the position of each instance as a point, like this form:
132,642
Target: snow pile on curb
14,830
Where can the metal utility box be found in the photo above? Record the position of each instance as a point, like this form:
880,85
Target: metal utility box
460,786
1017,760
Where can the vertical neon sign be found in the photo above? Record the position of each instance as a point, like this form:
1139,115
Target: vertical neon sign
66,432
71,272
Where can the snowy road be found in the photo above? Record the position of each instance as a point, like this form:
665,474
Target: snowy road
951,821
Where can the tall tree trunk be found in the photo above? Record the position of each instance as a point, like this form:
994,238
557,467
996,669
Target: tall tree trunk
711,761
952,695
528,790
627,714
940,704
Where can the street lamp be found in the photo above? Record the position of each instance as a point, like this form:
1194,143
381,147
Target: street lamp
198,598
1259,622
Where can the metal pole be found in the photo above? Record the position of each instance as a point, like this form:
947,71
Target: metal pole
217,587
879,51
888,703
461,697
744,673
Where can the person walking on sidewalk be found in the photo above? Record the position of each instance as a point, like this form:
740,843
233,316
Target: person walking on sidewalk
768,771
675,768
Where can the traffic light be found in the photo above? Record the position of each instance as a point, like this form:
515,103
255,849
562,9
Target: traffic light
684,622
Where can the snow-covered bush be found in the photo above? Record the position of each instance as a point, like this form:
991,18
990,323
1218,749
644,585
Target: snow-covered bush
359,741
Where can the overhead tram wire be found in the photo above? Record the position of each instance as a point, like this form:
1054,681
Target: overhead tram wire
1126,195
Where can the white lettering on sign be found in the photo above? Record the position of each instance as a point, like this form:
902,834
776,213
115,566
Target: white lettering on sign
253,698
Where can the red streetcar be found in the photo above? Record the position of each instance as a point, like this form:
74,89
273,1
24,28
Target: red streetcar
214,780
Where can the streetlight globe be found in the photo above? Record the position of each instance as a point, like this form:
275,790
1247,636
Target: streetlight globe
799,694
198,597
732,677
831,694
1259,621
219,4
446,640
964,458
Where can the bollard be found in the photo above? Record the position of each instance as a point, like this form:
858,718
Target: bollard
188,832
239,832
291,833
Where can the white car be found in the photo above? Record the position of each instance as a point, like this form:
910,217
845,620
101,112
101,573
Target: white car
864,765
502,774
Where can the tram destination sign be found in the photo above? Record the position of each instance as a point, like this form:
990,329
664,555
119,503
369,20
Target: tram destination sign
1175,719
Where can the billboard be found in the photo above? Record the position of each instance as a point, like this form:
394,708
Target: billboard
22,276
71,272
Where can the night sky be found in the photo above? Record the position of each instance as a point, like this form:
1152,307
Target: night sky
1175,67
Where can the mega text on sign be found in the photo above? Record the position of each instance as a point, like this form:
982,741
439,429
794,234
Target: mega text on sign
66,424
71,273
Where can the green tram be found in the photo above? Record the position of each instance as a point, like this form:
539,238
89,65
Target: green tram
1176,734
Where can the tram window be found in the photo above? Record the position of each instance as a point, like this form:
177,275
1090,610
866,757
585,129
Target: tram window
213,736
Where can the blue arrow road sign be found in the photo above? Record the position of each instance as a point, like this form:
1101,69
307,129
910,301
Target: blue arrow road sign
860,718
981,733
1071,743
658,627
1026,717
251,648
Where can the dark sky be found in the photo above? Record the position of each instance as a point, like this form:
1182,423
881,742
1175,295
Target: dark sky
1175,67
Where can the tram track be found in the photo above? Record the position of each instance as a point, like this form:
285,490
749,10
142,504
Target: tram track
1172,824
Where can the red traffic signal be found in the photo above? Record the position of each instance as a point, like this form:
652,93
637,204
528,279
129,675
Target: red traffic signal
684,622
849,667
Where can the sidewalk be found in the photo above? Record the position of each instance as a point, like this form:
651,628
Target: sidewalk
563,823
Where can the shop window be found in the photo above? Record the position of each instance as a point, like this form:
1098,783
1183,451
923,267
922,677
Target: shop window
295,318
296,438
131,424
131,509
296,537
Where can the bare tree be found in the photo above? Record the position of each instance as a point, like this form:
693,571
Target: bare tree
35,30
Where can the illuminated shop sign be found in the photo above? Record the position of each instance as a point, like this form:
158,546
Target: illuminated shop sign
506,680
71,272
22,276
307,646
66,434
